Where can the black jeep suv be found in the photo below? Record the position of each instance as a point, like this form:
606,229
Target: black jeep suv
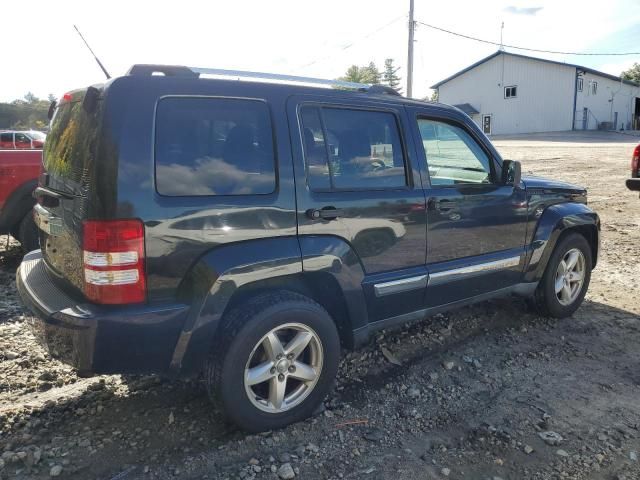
251,228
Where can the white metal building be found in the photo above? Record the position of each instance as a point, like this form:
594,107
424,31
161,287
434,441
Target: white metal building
508,93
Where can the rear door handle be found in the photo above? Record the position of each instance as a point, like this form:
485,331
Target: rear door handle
324,213
445,205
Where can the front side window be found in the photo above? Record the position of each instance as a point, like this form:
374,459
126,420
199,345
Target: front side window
352,149
511,92
213,146
453,156
22,141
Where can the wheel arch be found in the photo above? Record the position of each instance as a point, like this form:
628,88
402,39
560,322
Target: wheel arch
226,276
556,222
18,204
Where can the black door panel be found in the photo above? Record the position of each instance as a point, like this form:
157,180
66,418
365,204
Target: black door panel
361,184
476,226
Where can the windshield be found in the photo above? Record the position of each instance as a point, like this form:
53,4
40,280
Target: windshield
37,136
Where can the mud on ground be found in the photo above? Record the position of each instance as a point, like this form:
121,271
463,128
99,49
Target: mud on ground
473,393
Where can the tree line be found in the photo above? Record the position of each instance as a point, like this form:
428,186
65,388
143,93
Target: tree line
371,74
27,113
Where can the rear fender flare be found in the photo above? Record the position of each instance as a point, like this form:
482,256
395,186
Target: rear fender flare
555,221
215,277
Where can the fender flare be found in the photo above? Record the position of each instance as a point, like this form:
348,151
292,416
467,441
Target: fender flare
219,274
554,222
215,277
17,205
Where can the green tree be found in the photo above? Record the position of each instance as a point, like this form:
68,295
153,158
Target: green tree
434,96
632,74
389,76
31,98
366,74
51,98
26,113
373,74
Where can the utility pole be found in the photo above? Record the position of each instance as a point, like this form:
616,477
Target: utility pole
412,27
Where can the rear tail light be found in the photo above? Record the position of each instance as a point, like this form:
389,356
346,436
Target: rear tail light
113,258
635,163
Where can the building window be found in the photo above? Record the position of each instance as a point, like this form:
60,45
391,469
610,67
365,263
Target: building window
580,83
594,88
511,92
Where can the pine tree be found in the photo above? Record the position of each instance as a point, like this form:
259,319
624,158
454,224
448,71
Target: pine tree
390,76
367,74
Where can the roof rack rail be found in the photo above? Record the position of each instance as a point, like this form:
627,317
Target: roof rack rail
218,72
166,70
383,89
195,72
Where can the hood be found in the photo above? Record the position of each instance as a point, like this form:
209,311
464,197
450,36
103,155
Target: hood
546,184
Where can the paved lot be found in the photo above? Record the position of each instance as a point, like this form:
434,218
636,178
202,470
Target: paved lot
513,376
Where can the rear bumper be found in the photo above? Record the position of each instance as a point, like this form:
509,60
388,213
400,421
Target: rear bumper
95,338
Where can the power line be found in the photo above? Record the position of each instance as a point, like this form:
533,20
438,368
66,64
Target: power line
351,44
469,37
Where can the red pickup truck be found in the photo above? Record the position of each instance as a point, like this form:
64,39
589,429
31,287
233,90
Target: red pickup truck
19,170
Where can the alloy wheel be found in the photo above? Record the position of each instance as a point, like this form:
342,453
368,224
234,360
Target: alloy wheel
570,277
283,368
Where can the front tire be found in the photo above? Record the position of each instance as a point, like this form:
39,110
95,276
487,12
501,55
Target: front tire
566,278
274,361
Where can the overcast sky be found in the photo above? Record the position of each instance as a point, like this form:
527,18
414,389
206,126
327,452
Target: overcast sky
311,38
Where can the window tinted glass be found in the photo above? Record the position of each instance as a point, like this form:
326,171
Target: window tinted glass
315,149
6,140
354,149
453,156
22,139
210,146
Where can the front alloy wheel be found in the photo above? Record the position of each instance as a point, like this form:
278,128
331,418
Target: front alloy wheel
570,277
566,278
283,368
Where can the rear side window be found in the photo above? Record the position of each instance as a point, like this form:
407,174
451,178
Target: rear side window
213,146
6,140
352,149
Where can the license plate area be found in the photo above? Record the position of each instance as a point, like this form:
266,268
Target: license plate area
48,223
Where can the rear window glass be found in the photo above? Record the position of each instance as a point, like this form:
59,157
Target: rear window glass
70,149
213,146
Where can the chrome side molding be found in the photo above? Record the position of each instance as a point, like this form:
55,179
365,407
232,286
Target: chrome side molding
472,270
397,286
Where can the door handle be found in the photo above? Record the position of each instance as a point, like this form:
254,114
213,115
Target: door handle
324,213
445,205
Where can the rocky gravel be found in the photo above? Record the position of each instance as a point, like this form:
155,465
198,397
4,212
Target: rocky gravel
487,392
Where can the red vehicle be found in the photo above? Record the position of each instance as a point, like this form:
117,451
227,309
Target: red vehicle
19,170
19,140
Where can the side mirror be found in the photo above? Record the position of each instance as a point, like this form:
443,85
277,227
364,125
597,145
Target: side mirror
633,184
511,172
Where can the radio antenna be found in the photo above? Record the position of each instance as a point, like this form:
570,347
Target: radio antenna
94,55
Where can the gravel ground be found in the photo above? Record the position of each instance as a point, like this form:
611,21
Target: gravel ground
487,392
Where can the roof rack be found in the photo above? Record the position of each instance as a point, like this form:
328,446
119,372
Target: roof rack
195,72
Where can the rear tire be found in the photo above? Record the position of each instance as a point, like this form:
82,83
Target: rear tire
28,233
566,278
273,362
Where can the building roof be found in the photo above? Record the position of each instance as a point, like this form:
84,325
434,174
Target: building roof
467,108
499,52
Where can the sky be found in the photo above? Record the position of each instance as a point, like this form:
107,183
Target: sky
308,38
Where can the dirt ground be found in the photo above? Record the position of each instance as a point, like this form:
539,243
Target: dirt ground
474,395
